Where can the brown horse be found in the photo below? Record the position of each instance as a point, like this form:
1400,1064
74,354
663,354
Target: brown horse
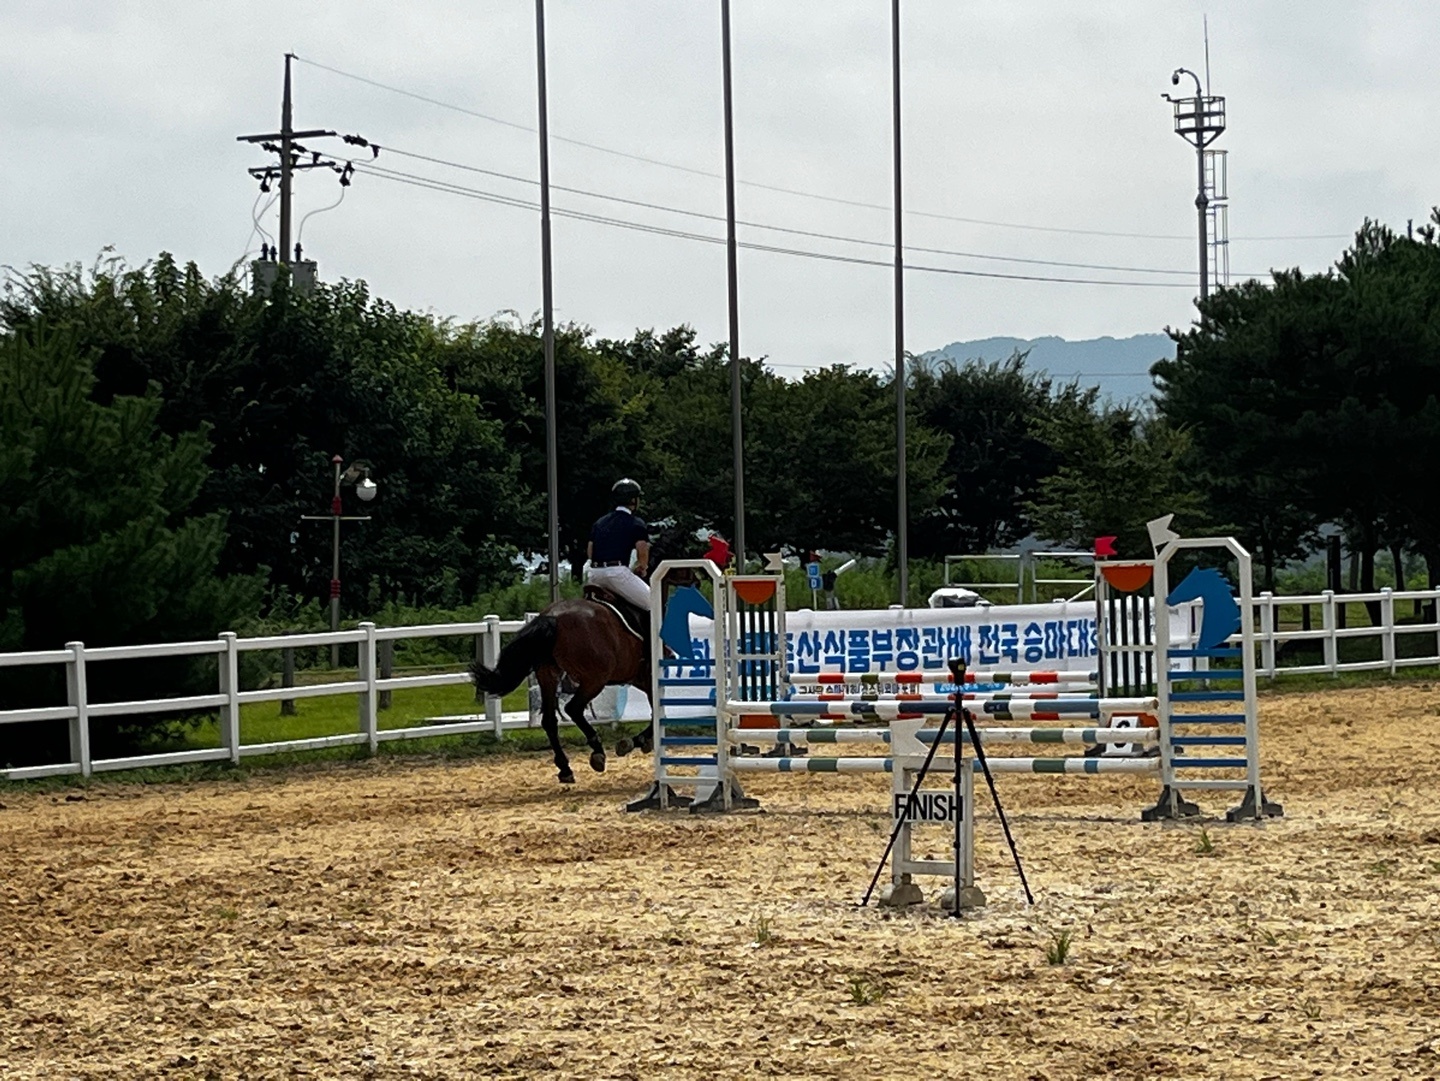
587,642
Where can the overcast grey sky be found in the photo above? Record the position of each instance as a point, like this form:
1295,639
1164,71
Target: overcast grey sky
118,125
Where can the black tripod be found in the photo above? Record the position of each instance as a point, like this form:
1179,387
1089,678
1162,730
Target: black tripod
957,672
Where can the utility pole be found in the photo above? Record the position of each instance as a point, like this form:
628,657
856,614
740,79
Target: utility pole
737,435
283,144
1199,121
902,532
547,305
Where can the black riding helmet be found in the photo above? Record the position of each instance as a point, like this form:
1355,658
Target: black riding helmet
625,490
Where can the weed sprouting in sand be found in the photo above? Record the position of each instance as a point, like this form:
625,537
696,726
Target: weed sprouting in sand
866,990
1059,948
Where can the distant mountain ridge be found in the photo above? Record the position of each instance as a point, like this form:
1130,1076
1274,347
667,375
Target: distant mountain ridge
1120,367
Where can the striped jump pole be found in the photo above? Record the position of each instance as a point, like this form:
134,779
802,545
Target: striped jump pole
816,737
895,708
941,675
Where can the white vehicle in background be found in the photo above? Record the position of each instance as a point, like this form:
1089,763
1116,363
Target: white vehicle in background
957,597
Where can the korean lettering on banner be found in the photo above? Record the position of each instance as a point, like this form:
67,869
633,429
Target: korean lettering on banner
989,652
882,649
907,648
857,650
1034,643
804,651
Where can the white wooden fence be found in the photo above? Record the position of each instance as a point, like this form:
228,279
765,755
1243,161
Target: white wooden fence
1269,640
228,698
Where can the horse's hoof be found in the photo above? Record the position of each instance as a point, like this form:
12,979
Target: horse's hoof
623,746
597,761
567,777
644,743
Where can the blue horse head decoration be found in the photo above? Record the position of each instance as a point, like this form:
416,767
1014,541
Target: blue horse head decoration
675,626
1221,615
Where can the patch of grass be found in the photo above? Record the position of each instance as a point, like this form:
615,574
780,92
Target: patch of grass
1059,949
1381,869
1432,867
866,990
1269,937
1204,846
1311,1008
762,931
227,913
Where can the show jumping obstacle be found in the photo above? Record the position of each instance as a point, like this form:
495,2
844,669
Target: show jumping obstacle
707,707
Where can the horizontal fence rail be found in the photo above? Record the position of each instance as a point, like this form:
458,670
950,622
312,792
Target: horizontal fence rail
368,686
1272,641
1389,632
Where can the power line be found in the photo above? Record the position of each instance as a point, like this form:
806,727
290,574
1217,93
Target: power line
859,204
813,234
382,173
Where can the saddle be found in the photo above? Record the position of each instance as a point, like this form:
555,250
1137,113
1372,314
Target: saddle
636,620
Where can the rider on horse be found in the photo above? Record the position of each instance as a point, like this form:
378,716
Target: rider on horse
612,539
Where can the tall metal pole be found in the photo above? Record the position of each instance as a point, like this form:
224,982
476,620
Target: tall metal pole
737,435
287,132
335,564
902,533
1202,203
1199,121
552,479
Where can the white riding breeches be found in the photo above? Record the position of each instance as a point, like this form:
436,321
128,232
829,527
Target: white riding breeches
623,582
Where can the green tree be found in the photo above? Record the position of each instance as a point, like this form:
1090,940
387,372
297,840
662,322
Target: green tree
994,416
99,538
285,383
1121,469
1314,399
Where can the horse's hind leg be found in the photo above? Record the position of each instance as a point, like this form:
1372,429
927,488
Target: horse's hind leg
584,695
640,680
549,679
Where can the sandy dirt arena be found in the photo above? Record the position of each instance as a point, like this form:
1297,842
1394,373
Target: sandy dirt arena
418,918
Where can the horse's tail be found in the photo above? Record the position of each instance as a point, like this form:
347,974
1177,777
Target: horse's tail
532,647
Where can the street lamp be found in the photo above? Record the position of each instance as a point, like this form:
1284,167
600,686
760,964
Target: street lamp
357,474
1199,121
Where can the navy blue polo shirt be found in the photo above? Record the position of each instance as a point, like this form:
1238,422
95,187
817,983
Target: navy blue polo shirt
615,535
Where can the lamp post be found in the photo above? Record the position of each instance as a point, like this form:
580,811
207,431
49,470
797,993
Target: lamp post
1199,121
357,474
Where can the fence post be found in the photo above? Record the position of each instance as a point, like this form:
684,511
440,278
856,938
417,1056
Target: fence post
387,669
230,688
489,647
1387,627
287,678
77,695
1327,621
365,657
1267,633
530,681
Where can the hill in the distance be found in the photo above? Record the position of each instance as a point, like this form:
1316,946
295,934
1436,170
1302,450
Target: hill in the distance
1120,367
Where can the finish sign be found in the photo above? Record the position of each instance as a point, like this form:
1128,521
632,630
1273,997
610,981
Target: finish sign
929,805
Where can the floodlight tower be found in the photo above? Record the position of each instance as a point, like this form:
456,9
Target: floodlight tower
1199,121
